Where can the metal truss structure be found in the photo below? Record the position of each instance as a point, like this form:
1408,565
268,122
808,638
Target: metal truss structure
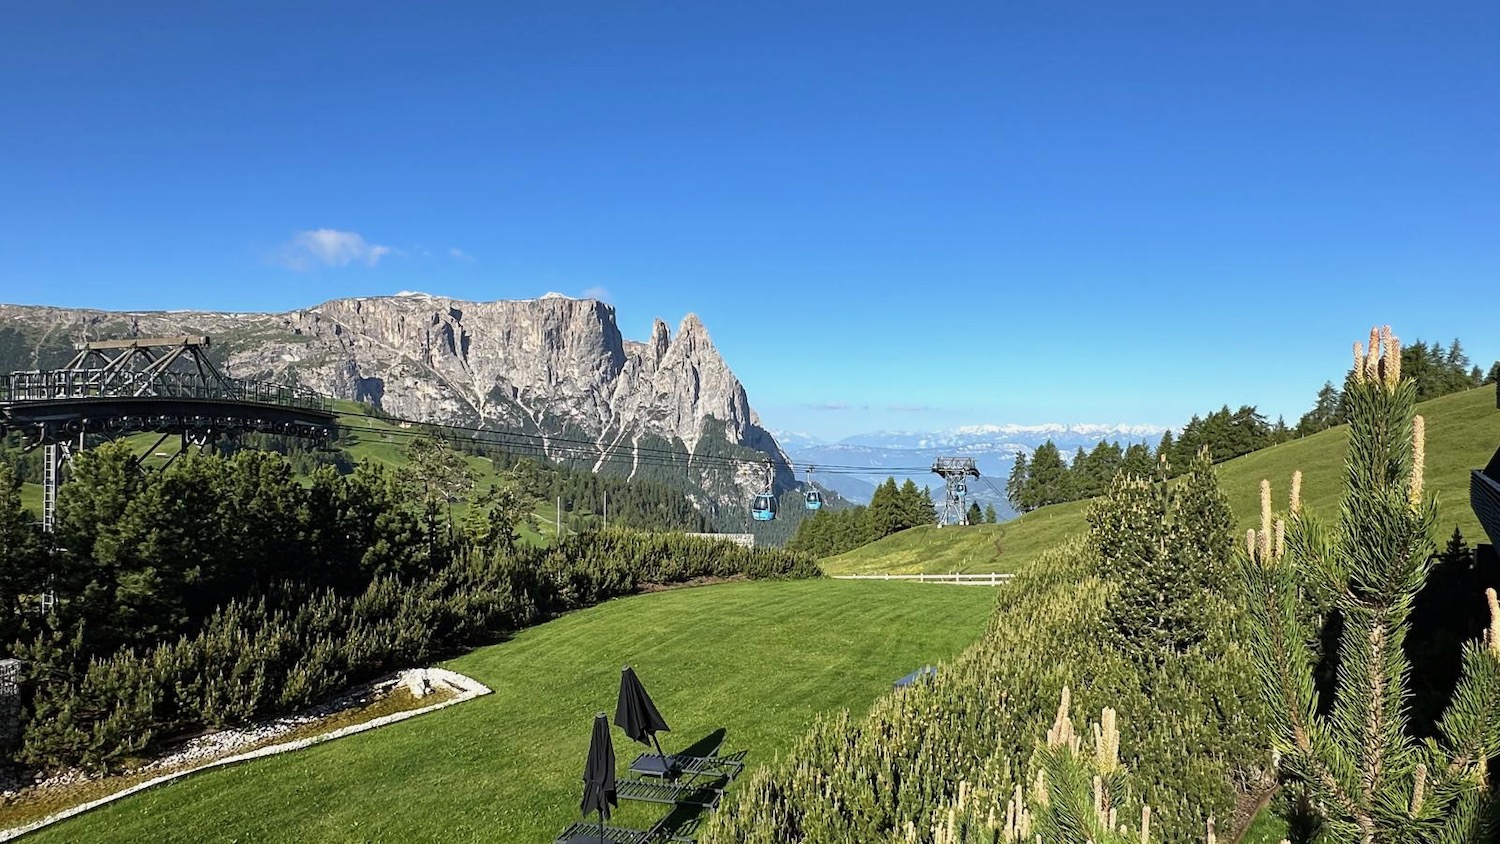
167,386
955,472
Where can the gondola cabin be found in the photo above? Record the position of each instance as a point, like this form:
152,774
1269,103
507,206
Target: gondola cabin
763,508
813,499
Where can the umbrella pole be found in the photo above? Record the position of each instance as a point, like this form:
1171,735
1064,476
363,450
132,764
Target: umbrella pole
601,824
666,764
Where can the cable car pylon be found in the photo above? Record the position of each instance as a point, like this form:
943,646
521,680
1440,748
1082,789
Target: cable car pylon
954,471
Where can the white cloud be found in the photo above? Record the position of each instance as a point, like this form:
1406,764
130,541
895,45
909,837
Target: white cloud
459,255
331,248
597,292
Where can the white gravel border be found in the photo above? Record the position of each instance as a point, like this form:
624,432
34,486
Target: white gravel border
467,687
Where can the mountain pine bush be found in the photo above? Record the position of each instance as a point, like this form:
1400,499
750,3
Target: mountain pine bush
1168,546
895,774
1347,589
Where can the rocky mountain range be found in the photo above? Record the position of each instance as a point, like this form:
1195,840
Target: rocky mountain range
555,368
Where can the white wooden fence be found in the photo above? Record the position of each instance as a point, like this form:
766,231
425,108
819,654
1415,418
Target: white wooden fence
991,579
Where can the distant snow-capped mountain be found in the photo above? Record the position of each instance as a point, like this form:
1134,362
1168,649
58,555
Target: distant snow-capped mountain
1032,435
856,464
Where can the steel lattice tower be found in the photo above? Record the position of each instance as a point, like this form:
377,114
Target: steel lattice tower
955,472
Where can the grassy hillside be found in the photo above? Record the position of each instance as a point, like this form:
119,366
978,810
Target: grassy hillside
380,441
384,443
758,660
1463,431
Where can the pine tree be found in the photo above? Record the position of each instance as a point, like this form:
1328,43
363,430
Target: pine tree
1015,485
1080,791
885,515
1203,524
1079,475
1101,466
989,514
1356,754
974,516
916,506
1166,449
926,511
22,556
1047,479
1324,414
1077,791
437,476
1280,433
1166,547
1138,461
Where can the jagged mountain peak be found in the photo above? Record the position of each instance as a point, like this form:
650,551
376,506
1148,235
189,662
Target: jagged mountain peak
555,365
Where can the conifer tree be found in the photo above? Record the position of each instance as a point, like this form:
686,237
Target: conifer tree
1138,461
1324,414
1079,475
22,553
1099,468
926,510
1166,548
1203,524
1015,485
1166,449
1079,792
1356,754
989,514
1047,479
885,515
437,476
916,506
974,516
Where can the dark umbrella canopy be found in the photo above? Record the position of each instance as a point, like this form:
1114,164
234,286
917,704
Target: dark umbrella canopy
599,772
634,711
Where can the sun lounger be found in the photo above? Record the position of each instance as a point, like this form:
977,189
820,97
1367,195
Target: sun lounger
588,833
703,795
676,766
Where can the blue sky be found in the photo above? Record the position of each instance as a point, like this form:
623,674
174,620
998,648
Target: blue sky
889,215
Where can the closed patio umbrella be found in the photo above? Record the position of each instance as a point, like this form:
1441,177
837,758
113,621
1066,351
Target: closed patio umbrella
636,714
599,774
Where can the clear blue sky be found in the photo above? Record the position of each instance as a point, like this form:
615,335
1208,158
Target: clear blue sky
888,214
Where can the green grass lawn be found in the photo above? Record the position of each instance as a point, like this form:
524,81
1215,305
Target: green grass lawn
756,659
1463,431
978,549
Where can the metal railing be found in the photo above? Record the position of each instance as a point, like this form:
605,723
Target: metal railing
63,384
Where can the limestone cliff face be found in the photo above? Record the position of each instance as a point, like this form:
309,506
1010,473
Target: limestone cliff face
553,366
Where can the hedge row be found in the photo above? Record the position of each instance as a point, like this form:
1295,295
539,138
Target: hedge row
292,645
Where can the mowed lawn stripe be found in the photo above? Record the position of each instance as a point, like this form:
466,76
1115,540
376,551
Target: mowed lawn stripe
758,660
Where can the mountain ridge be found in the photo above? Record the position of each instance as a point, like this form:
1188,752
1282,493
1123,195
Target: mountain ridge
551,367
